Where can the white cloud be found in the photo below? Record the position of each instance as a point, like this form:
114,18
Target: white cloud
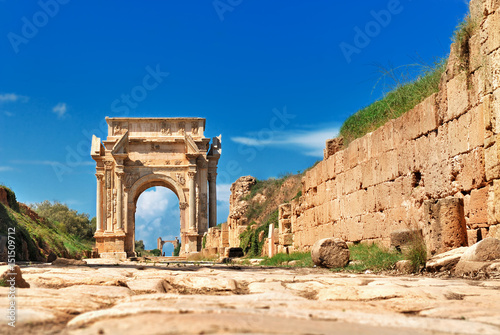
309,142
60,109
152,204
5,168
8,113
12,97
157,215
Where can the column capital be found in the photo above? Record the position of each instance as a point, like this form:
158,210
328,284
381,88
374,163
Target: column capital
108,164
183,205
191,174
120,174
99,176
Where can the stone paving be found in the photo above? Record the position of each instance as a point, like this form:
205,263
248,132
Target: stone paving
134,298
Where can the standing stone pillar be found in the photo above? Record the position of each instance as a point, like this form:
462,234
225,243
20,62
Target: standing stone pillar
192,201
119,202
212,199
98,215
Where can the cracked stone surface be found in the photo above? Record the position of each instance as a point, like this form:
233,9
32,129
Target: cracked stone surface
134,298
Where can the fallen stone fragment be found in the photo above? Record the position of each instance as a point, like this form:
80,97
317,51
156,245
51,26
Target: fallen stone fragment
13,276
68,262
485,250
445,261
404,266
404,237
330,253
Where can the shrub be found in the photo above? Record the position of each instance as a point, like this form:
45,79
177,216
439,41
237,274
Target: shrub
155,252
461,36
249,239
177,250
416,252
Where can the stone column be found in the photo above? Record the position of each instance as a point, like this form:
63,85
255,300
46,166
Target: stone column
98,212
212,199
192,201
119,202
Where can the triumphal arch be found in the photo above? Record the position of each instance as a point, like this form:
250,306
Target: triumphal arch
140,153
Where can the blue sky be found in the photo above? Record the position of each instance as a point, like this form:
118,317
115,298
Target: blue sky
276,79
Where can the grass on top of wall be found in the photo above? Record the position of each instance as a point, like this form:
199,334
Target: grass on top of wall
395,103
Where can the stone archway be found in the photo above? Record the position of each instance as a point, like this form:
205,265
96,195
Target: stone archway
140,153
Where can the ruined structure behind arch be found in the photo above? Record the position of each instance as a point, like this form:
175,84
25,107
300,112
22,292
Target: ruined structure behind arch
140,153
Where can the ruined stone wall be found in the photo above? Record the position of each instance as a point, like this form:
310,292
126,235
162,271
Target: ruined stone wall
446,147
237,220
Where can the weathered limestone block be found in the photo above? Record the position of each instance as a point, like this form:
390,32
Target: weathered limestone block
476,128
492,28
403,238
330,253
493,205
483,251
475,208
13,276
457,128
468,170
445,224
352,152
458,97
382,139
475,52
352,181
332,146
494,231
68,262
286,239
224,236
492,159
330,167
445,261
406,157
404,266
373,225
429,119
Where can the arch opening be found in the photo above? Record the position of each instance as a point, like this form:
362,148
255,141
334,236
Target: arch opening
157,215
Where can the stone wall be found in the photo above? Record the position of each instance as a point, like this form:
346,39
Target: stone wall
446,147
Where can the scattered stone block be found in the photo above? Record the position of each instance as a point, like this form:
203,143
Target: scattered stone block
483,251
13,275
402,238
404,266
68,262
330,253
51,257
445,261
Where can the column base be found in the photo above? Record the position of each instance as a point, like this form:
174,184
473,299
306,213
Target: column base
110,242
193,243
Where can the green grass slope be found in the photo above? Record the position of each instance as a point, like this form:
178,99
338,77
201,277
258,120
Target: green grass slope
37,237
